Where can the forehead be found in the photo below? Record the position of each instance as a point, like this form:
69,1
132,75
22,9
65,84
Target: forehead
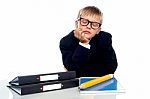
93,18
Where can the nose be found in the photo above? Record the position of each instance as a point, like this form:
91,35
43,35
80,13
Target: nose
89,25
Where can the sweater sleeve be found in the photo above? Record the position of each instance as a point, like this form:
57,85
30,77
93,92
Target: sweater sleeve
110,59
73,57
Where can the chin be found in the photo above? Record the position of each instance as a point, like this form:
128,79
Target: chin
88,36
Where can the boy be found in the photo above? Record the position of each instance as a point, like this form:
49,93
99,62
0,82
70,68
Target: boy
88,50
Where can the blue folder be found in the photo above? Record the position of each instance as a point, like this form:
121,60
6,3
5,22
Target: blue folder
109,86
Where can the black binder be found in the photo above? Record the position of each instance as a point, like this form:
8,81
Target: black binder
32,79
44,87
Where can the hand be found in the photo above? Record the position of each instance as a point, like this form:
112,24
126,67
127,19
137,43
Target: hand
81,36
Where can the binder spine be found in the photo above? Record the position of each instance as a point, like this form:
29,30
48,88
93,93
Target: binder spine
44,82
70,84
29,79
67,75
32,79
31,89
45,87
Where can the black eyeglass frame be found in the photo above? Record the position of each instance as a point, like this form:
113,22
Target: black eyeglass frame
89,22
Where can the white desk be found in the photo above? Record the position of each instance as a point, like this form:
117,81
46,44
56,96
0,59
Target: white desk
70,93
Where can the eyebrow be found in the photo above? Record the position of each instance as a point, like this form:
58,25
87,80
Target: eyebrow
90,21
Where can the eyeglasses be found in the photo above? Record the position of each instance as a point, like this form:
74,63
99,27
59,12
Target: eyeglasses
85,22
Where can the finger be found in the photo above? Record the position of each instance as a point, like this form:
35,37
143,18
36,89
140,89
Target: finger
84,38
82,34
79,31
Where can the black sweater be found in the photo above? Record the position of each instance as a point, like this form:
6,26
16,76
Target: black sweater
99,60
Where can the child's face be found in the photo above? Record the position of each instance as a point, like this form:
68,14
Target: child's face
88,28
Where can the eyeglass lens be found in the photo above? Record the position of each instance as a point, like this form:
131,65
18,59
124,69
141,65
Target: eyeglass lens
85,22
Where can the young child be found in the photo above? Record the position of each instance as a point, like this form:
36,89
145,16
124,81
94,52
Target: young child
86,49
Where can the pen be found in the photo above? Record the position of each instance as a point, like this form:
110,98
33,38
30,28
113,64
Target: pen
95,81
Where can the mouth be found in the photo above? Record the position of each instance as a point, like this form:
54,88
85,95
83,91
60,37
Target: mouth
86,32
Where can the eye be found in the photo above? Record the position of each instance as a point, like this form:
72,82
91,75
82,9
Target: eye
95,24
84,21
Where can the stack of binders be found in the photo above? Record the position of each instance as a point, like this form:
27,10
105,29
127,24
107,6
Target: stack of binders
30,84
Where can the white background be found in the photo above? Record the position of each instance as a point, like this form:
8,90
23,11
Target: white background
30,31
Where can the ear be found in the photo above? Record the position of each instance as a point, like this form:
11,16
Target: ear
76,24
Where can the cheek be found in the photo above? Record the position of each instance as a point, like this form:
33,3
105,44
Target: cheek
94,33
98,30
77,25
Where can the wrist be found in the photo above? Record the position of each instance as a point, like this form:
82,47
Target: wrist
86,45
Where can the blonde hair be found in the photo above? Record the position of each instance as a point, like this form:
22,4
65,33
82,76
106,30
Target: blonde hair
91,11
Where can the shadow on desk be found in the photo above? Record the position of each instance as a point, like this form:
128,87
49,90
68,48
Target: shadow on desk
70,93
4,92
